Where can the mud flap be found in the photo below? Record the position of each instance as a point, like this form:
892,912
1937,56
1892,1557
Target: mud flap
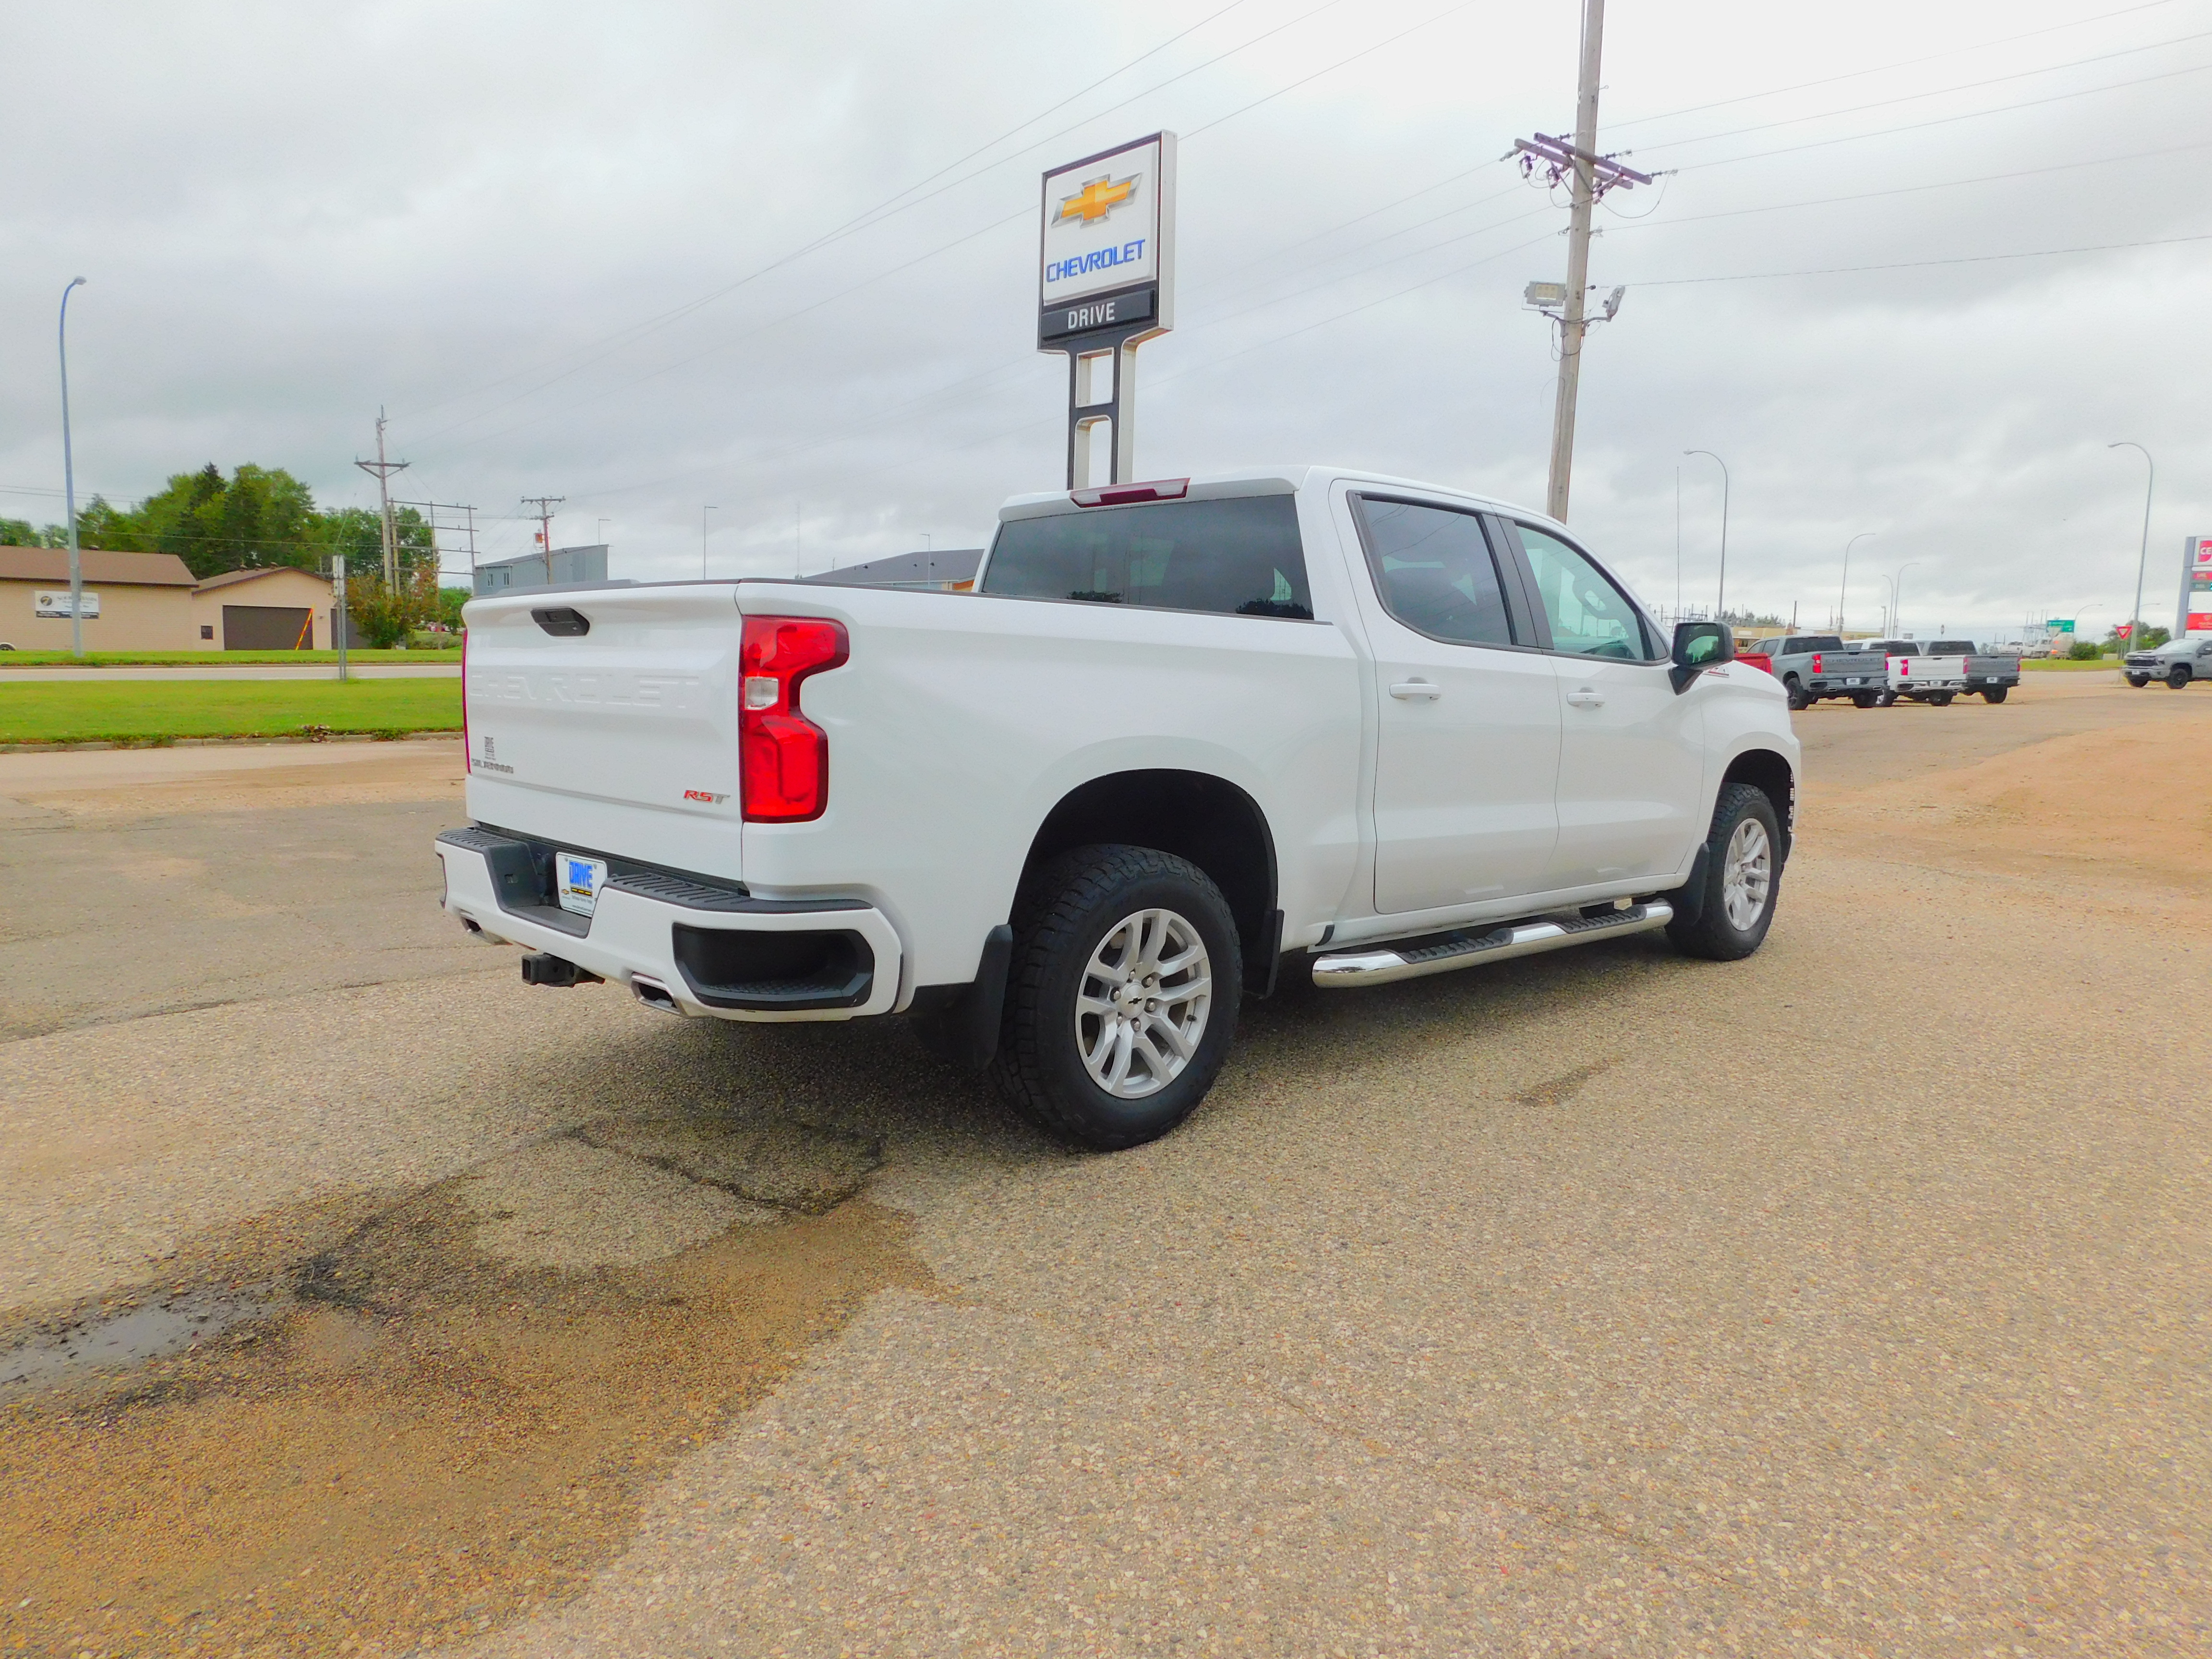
965,1031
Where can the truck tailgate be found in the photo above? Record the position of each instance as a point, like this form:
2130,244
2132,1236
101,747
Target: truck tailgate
623,738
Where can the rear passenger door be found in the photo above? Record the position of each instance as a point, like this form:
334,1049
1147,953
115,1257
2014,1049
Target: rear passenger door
1631,749
1468,744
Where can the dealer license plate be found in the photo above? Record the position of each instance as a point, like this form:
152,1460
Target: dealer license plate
577,882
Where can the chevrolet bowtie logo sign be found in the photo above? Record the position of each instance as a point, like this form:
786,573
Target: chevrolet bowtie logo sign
1097,198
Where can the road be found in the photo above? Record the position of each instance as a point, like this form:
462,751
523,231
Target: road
1602,1304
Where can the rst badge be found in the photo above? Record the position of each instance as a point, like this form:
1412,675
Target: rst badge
706,796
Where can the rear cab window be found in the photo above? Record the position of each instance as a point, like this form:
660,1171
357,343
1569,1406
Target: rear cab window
1238,556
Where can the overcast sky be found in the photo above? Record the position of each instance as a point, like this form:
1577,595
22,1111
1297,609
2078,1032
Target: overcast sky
610,254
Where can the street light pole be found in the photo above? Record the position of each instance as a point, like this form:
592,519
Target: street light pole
1842,593
1897,597
68,489
2135,617
1720,606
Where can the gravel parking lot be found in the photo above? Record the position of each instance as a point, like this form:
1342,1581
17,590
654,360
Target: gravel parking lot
364,1299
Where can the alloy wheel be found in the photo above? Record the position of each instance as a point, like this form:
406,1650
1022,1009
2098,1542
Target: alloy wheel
1142,1004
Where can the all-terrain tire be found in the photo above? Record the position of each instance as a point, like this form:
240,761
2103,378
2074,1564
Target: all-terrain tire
1715,934
1065,915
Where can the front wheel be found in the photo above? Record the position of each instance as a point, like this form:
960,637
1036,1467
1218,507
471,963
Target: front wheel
1886,699
1864,700
1123,996
1996,694
1941,699
1743,874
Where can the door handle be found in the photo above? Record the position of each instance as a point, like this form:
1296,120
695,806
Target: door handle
1586,698
1410,689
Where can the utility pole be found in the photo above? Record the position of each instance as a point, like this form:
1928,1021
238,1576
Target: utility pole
546,504
1591,176
382,470
2142,556
68,489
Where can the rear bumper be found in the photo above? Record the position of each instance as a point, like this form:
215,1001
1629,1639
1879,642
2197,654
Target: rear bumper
682,944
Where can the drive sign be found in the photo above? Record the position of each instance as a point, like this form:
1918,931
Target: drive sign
1107,258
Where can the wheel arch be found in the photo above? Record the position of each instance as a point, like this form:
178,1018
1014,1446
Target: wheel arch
1769,772
1198,816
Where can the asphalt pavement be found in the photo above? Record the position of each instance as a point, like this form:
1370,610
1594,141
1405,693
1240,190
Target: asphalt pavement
1600,1303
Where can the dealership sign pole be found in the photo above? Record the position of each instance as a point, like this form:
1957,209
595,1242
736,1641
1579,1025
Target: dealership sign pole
1105,285
2194,617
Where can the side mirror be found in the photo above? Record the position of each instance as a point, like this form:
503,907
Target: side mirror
1700,646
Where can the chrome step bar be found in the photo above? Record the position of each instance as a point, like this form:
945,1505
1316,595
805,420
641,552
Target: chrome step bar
1440,953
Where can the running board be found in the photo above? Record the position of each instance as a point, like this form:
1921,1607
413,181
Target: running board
1439,953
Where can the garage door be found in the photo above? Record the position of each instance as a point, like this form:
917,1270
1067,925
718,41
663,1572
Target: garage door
266,628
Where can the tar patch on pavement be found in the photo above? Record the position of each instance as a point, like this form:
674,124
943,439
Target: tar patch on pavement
1558,1090
430,1420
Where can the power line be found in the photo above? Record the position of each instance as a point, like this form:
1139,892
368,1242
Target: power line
1948,183
1948,120
892,206
1917,264
1883,68
1939,92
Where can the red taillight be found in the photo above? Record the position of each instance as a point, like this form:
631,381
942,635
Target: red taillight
468,760
1816,662
784,757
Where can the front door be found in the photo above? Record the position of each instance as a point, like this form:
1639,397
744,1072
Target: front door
1468,749
1632,750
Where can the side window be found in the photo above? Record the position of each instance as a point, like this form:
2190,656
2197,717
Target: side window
1434,571
1590,616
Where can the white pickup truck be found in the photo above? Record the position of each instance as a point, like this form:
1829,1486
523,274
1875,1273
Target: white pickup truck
1180,734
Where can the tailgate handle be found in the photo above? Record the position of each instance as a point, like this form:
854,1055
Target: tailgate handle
562,621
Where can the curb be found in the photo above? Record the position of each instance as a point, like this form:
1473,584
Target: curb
219,743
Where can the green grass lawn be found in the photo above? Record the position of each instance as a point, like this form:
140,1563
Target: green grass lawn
153,711
2064,665
216,658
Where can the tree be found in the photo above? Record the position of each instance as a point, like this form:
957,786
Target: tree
2153,637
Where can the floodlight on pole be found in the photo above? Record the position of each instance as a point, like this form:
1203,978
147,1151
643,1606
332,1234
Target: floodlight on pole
1843,593
68,489
2135,617
1720,604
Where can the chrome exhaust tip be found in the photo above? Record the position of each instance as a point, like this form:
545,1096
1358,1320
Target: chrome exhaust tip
653,993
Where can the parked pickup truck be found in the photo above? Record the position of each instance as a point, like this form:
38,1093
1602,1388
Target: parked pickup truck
1987,677
1183,735
2176,664
1815,666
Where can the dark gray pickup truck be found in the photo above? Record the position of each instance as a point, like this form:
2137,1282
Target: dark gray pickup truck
1990,678
1815,666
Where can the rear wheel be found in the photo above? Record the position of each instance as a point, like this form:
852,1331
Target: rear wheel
2138,681
2177,677
1123,996
1743,876
1797,697
1996,694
